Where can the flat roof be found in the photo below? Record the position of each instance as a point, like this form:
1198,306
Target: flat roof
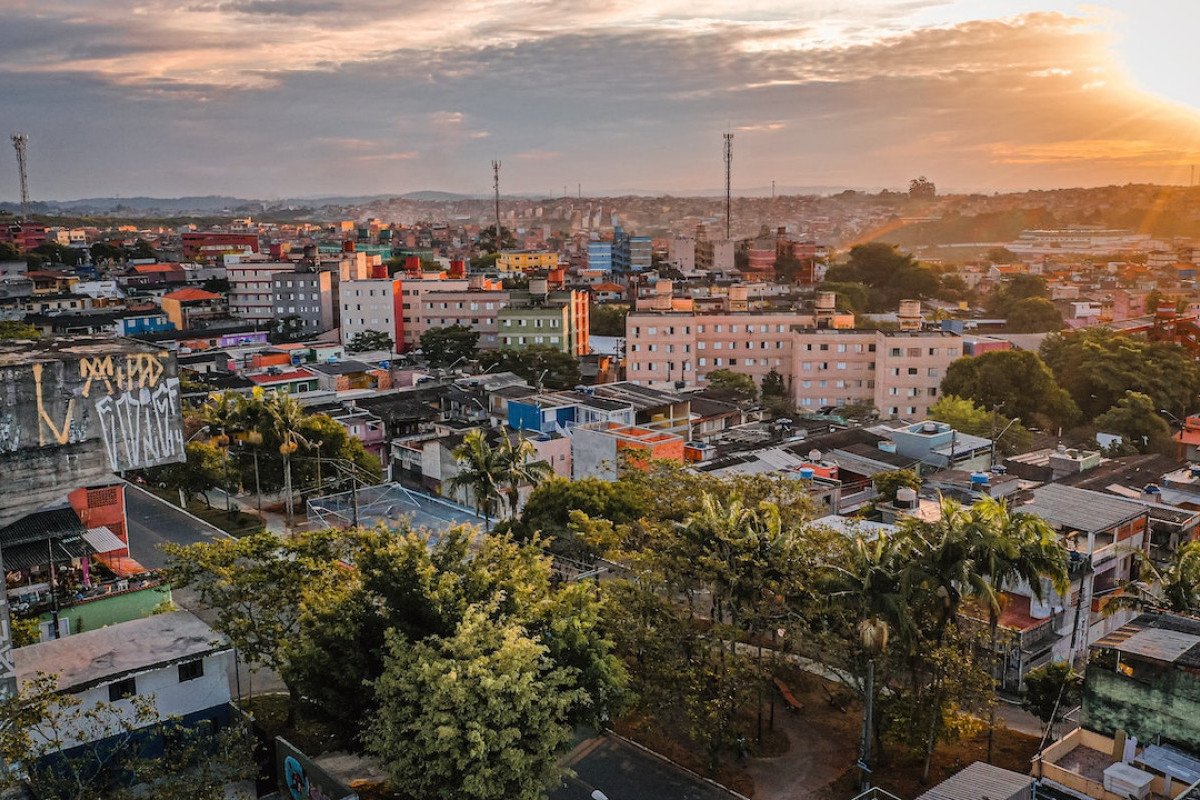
95,657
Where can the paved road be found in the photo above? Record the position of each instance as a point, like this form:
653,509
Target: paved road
625,772
153,522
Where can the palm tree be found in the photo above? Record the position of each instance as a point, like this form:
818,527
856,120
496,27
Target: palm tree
518,468
1009,550
1174,586
481,470
284,417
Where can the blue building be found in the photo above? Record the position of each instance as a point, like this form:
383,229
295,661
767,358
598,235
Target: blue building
630,253
600,256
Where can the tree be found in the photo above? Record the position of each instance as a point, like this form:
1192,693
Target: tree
1097,366
288,328
520,467
365,341
1019,287
1016,380
482,471
141,754
1136,418
888,483
773,385
443,347
852,297
488,243
966,416
1051,691
482,713
106,252
608,319
548,512
9,252
541,365
204,469
1000,255
11,329
1033,315
216,285
737,382
57,253
1174,586
890,275
922,189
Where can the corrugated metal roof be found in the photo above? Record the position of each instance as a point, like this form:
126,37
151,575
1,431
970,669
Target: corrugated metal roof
981,781
1081,509
1161,645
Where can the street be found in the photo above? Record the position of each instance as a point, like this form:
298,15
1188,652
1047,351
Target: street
153,522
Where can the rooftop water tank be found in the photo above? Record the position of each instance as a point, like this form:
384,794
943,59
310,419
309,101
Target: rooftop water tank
807,473
979,479
906,498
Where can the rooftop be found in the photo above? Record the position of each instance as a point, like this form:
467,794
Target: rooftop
1158,636
95,657
16,352
1081,509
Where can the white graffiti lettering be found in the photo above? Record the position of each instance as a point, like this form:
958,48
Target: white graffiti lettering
141,426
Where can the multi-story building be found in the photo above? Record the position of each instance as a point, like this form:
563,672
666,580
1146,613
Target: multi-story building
475,307
525,261
542,317
251,290
600,256
373,305
308,294
898,371
630,253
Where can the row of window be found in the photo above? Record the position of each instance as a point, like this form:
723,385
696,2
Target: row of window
687,329
521,322
651,366
188,671
555,340
472,306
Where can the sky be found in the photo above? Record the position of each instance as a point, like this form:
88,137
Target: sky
269,99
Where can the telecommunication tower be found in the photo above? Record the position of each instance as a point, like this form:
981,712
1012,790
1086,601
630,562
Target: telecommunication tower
496,185
728,175
20,141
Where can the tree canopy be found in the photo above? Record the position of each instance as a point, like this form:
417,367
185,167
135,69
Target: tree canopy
364,341
966,416
891,276
449,345
739,383
548,365
1016,382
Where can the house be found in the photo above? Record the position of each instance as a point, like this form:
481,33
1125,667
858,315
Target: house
980,781
175,658
603,449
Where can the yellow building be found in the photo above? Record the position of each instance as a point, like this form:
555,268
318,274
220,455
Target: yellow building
525,261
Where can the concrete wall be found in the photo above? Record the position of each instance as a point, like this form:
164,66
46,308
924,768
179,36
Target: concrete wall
75,410
1156,701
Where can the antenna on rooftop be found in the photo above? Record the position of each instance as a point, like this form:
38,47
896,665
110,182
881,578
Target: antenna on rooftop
20,141
496,186
728,175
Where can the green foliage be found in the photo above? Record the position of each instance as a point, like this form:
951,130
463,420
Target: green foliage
966,416
11,329
550,508
852,297
1136,418
739,383
922,189
1001,255
891,276
773,385
217,285
1033,315
608,319
289,328
561,370
1173,586
39,727
25,631
1051,691
482,713
1097,366
450,345
1019,287
56,253
888,483
204,469
107,252
1017,381
496,472
487,239
365,341
9,252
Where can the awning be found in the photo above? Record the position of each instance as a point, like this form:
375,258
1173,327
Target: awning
104,540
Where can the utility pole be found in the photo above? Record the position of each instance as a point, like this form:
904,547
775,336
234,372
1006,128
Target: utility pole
20,141
496,186
728,175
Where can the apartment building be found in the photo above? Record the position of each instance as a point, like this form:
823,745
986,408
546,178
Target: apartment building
630,253
309,295
898,371
542,317
477,307
251,291
372,305
525,261
672,349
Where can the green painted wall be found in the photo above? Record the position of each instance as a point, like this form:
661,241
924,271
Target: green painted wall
1157,701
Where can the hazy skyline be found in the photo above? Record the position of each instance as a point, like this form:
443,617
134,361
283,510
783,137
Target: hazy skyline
272,98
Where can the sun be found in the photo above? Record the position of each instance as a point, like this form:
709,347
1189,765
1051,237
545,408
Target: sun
1153,41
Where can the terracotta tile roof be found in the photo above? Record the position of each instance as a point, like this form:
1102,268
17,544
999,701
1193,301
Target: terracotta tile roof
185,295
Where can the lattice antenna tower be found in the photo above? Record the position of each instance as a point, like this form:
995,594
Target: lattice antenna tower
496,185
20,141
728,176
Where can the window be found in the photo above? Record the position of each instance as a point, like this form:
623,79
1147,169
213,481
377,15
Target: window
841,348
702,362
190,670
933,372
122,689
733,362
841,365
824,347
933,351
912,370
718,345
894,352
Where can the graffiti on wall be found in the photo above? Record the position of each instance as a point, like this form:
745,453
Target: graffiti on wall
127,400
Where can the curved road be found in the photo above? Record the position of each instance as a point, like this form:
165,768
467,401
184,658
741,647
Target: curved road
152,522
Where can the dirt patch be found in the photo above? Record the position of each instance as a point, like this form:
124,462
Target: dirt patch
664,734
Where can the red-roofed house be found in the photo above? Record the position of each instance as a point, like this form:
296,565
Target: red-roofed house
607,292
193,308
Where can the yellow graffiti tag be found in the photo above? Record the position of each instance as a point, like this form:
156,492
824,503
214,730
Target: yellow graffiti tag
136,371
61,434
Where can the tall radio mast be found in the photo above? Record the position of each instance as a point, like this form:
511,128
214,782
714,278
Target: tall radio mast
20,141
496,185
728,174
